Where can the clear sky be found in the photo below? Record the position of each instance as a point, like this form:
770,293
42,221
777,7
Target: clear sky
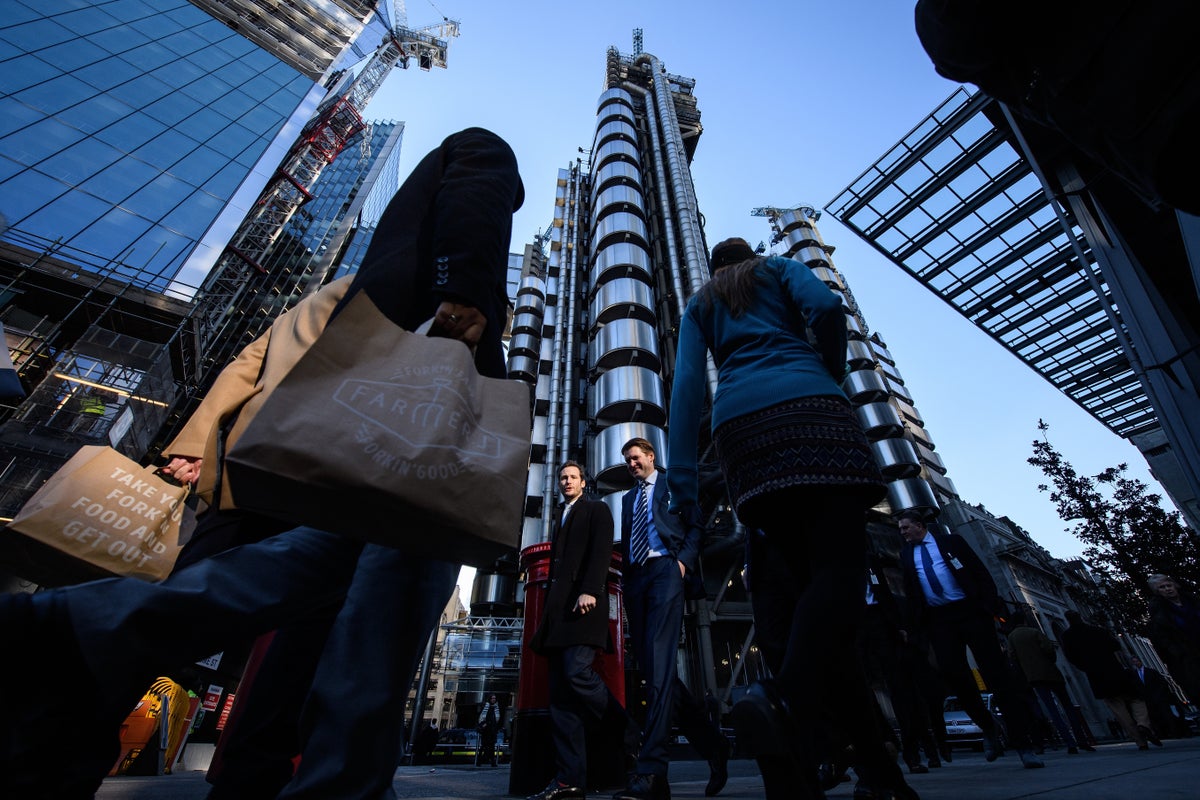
797,99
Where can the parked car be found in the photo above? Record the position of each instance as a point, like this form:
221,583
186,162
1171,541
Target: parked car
961,730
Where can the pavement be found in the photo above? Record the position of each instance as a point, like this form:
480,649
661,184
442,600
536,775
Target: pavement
1114,771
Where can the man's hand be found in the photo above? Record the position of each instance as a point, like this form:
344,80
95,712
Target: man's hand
682,569
185,469
585,603
458,321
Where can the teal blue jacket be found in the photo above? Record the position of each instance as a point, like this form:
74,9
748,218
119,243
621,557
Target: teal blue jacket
763,358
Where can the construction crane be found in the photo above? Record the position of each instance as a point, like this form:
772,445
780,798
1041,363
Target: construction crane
337,119
773,212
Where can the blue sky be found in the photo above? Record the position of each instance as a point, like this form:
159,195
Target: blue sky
796,99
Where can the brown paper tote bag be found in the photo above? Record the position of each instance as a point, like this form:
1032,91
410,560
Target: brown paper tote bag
109,511
391,437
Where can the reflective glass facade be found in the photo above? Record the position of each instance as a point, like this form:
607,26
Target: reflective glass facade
127,126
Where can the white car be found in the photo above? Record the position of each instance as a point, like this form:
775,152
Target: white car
961,730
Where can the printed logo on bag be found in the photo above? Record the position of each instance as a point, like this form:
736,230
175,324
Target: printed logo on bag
431,427
135,510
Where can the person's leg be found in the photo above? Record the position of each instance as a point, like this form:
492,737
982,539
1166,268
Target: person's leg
567,711
980,635
353,719
950,650
1119,710
260,743
661,618
1046,694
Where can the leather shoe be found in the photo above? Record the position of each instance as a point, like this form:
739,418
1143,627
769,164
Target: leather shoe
946,753
1029,759
1151,737
557,791
762,722
1087,748
991,747
935,763
718,770
918,768
645,787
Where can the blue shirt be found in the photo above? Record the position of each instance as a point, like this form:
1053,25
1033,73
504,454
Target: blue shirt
951,591
763,358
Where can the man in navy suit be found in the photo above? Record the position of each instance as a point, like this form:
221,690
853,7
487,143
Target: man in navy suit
574,626
659,552
953,599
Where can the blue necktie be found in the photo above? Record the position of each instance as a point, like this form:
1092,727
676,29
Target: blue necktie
930,575
639,536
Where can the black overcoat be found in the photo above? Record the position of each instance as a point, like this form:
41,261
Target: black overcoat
580,558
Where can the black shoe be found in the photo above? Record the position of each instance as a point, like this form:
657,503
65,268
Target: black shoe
864,790
935,763
918,768
645,787
1029,759
991,747
1151,737
762,722
556,791
946,753
718,770
1087,748
1072,750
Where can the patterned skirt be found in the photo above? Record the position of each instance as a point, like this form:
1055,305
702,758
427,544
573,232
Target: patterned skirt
811,442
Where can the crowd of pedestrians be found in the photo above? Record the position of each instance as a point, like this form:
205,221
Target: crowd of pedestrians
353,619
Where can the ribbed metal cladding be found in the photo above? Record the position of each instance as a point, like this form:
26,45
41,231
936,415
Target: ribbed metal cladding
615,94
803,236
622,259
623,298
618,198
535,479
897,458
911,494
528,322
629,394
524,344
616,150
523,368
616,173
859,355
789,219
625,342
613,500
530,302
619,227
854,330
829,277
879,420
605,462
931,459
813,257
615,129
532,284
865,386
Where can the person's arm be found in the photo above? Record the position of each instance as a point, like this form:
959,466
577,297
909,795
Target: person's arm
594,570
687,397
822,311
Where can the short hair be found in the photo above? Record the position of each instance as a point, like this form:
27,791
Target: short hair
912,516
570,462
638,441
1154,580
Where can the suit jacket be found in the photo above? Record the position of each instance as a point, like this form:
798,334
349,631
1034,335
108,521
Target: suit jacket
580,558
972,576
680,532
244,385
1094,650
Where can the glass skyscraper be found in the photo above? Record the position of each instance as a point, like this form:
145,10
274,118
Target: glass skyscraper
127,127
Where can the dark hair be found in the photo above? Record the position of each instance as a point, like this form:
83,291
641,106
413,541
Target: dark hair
638,441
576,465
912,515
734,283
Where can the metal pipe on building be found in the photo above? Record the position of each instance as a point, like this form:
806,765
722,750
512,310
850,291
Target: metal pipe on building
571,292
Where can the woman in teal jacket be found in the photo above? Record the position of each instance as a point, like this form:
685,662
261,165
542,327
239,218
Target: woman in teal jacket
799,470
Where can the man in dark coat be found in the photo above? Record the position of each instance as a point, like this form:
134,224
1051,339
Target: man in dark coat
573,628
1094,650
654,571
1158,695
440,252
1175,631
952,599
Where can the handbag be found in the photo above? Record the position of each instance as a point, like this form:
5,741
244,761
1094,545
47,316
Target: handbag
109,511
390,437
